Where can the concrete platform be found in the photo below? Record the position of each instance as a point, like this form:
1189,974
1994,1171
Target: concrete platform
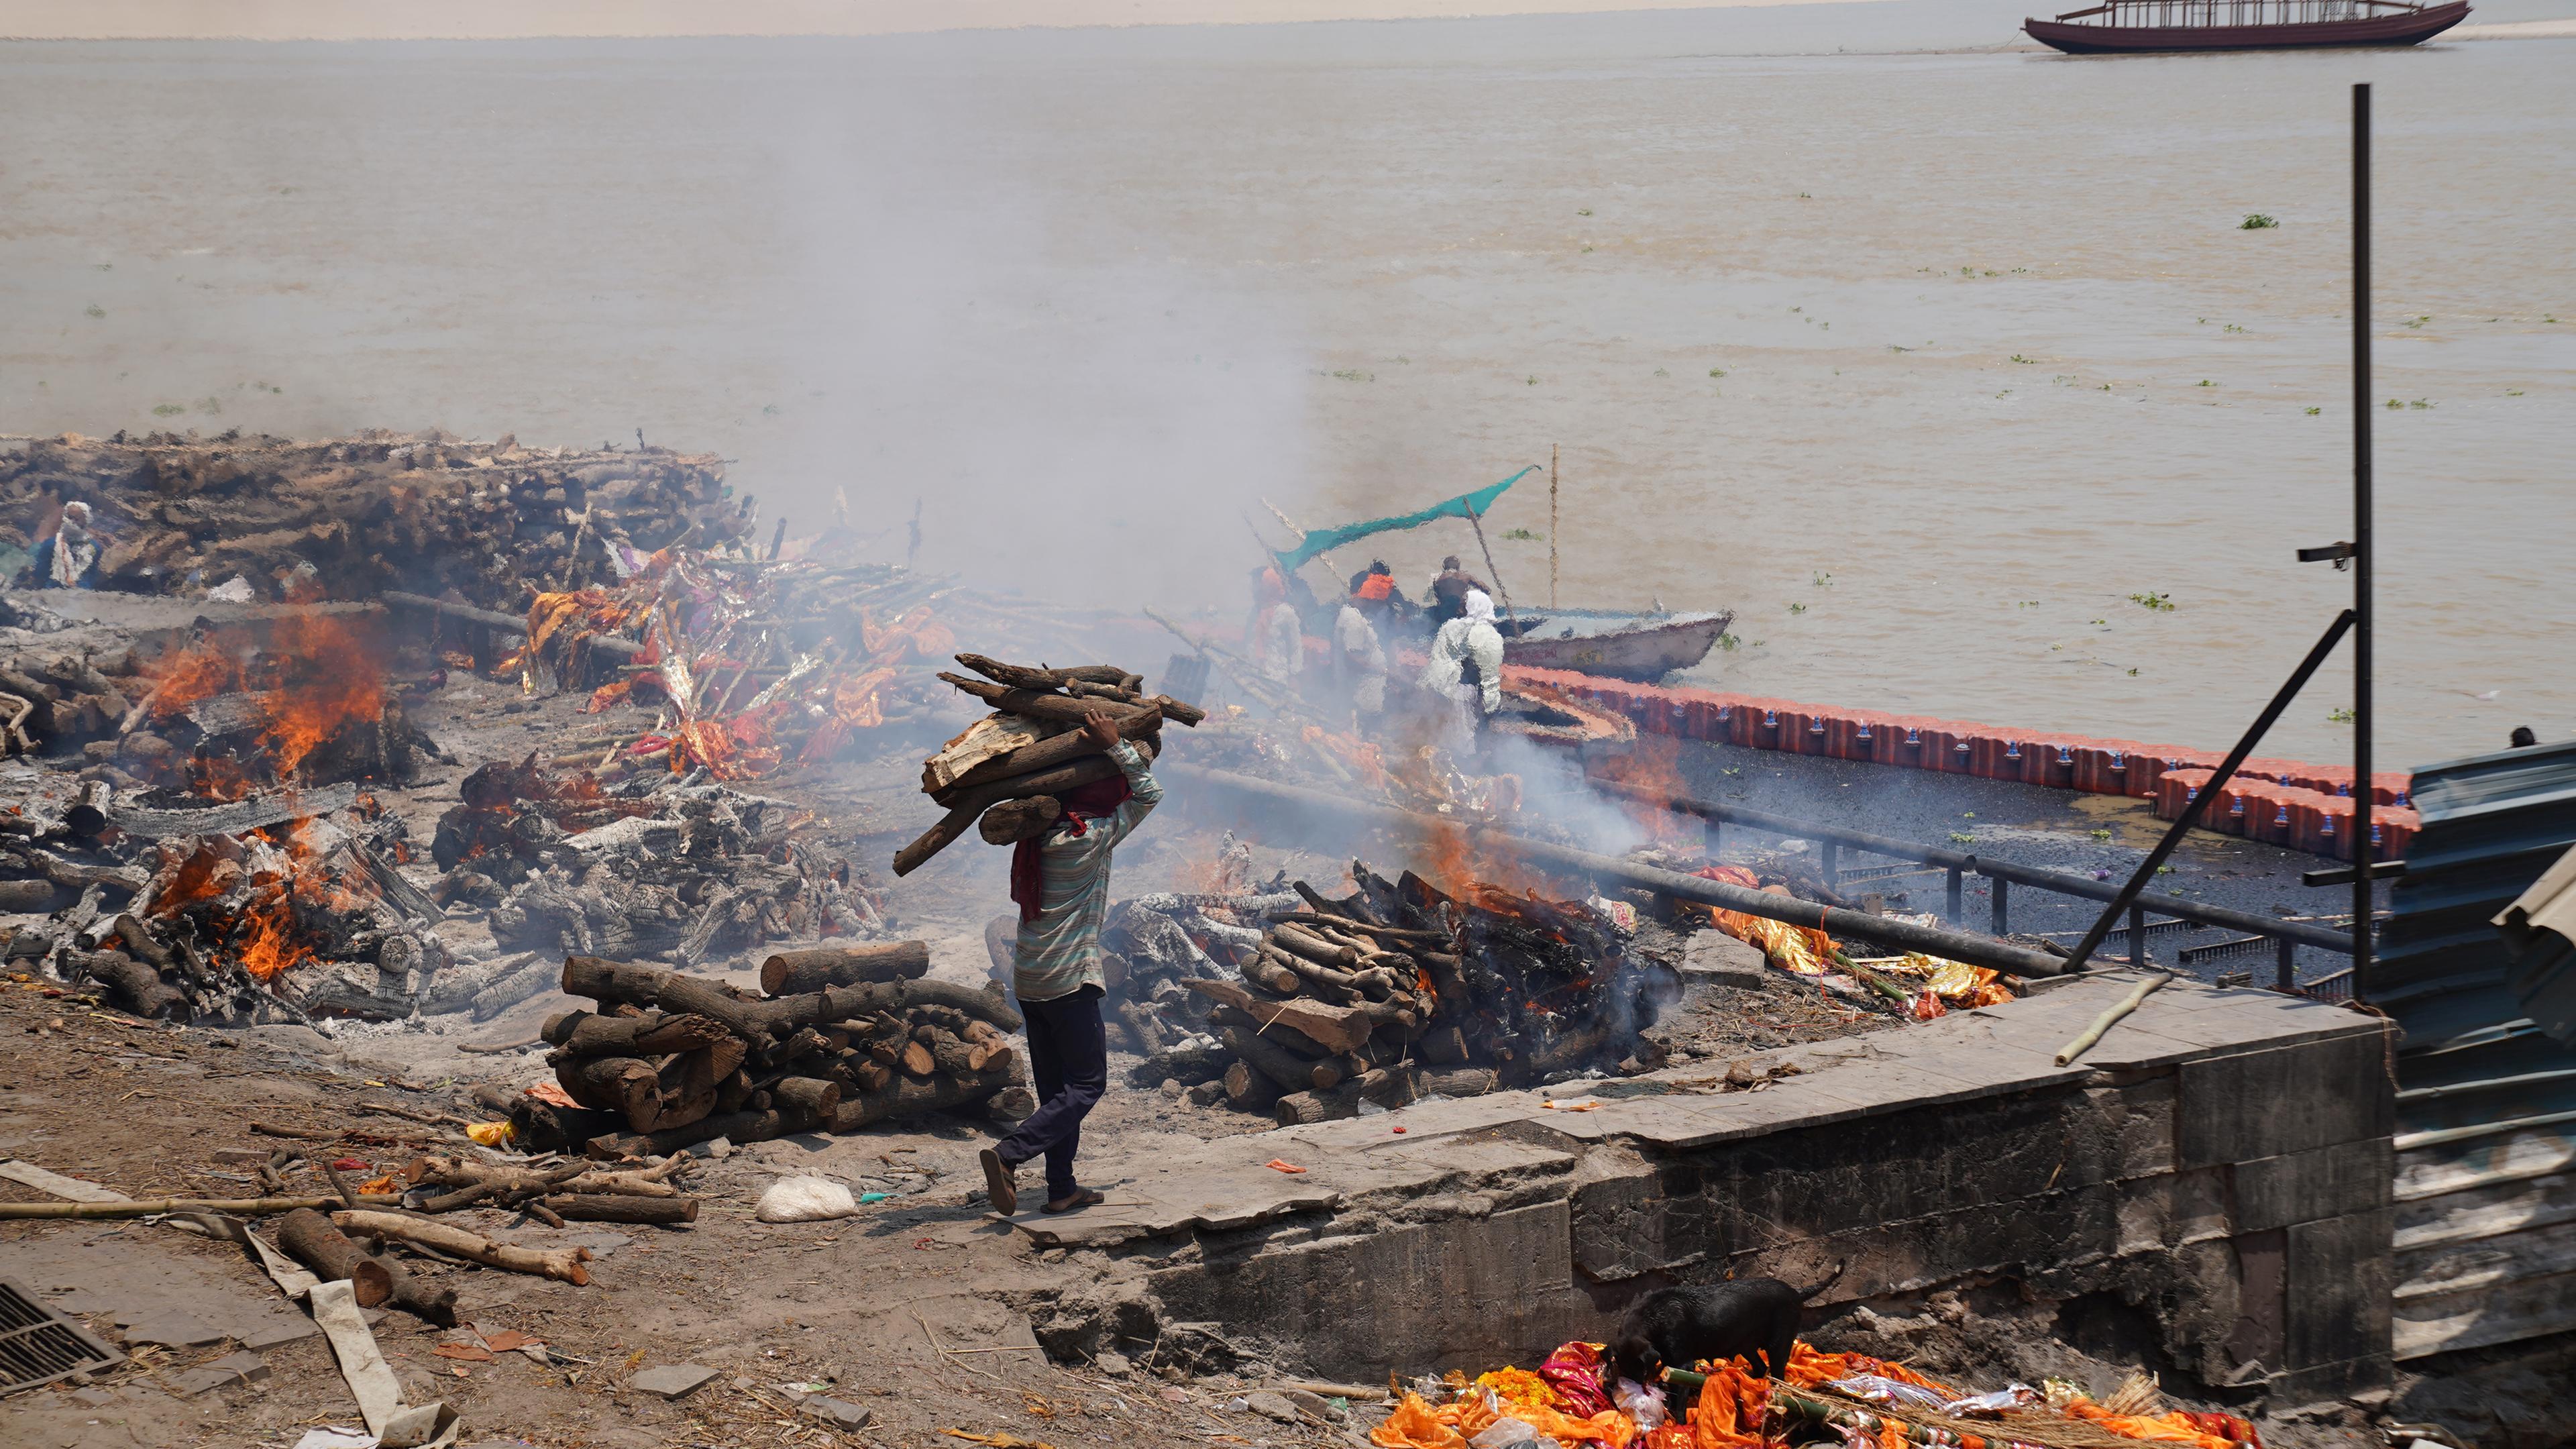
2219,1163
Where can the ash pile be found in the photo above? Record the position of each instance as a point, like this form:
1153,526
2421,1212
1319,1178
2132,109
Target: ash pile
1310,1008
838,1038
358,515
679,868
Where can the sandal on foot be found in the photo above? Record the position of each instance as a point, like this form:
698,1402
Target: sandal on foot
998,1184
1082,1198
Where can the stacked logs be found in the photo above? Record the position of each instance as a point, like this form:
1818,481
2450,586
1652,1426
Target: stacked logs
843,1037
422,512
1401,991
1004,772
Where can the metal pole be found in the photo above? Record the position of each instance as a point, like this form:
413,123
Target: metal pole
2003,912
1551,525
1478,524
2200,803
2362,853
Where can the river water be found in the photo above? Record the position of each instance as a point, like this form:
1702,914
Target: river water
1996,353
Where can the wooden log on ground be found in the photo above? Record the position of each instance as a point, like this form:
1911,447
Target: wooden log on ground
564,1265
26,895
573,1177
1297,941
809,1099
1250,1091
1458,1082
744,1126
1013,821
1189,1063
1293,1073
1384,1086
1294,1041
1570,1050
154,1206
1446,1045
1314,979
761,1022
627,1086
588,1034
619,1208
309,1238
1364,928
138,987
1334,1028
903,1097
791,973
423,1298
1266,971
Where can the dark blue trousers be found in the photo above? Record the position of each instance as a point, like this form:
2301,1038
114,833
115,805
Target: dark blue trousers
1069,1062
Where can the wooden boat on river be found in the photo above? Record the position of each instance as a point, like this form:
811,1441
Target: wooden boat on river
2138,27
1642,647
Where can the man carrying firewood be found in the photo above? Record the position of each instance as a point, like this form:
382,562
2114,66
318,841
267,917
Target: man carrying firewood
1060,882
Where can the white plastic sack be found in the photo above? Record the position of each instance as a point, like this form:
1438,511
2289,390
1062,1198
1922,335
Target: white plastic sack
805,1200
235,590
1503,1433
1640,1403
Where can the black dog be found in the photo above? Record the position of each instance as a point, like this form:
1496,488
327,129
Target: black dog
1754,1317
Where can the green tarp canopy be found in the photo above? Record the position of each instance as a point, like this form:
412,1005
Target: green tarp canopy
1324,540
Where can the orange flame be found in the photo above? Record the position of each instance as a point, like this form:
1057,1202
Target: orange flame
332,681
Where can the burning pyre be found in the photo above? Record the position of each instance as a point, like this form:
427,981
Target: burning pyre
1290,1002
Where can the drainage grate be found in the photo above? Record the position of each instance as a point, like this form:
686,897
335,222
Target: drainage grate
38,1345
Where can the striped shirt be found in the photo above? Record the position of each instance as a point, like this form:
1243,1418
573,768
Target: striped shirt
1058,954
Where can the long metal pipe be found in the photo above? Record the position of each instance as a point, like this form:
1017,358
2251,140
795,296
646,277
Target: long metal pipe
2361,551
1290,802
1997,870
2205,797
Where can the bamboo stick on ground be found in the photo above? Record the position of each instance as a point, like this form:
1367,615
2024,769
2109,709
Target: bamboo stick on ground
2110,1018
148,1207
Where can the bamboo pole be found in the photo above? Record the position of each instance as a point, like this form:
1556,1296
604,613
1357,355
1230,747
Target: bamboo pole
2108,1019
147,1207
1551,525
1478,524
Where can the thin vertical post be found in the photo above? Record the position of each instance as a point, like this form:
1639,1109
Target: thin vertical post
2002,910
2285,968
1833,871
1956,903
2137,935
1551,525
2364,857
1711,838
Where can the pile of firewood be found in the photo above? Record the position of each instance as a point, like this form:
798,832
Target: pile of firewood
844,1037
1002,775
379,510
1398,992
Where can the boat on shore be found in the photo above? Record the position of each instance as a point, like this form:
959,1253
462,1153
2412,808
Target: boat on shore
2138,27
1642,647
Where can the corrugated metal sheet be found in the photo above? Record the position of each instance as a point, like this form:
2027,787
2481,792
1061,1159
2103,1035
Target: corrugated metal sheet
2486,1145
2540,929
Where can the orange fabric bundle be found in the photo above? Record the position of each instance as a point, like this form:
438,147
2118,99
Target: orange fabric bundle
2170,1428
1417,1425
1803,949
1808,1368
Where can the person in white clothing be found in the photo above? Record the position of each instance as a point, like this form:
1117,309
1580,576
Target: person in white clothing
1359,660
1466,668
1277,644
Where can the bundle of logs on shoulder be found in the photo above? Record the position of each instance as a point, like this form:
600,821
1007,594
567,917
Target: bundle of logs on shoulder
1003,774
845,1036
1401,992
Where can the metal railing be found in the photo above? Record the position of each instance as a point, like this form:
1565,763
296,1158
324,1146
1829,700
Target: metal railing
2285,936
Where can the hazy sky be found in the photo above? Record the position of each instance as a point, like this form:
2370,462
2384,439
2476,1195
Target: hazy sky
483,19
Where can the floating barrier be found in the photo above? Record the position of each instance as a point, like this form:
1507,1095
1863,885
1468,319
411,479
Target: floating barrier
2290,803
